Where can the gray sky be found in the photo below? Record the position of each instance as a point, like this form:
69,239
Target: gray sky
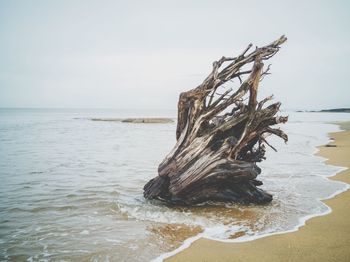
142,54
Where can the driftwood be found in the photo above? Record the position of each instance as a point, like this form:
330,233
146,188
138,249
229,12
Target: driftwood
221,134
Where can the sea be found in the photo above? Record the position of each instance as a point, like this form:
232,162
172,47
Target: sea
71,188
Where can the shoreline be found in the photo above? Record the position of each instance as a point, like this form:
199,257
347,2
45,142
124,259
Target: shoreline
282,244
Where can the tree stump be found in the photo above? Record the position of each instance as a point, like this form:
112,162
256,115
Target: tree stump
221,135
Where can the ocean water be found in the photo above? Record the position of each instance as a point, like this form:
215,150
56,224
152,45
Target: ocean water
71,188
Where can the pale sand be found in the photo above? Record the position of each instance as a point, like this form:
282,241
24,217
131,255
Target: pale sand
323,238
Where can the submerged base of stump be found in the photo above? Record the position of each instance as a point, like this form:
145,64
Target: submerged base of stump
240,193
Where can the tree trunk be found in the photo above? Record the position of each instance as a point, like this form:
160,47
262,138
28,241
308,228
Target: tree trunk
221,134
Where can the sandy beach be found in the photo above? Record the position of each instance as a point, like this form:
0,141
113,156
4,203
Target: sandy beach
323,238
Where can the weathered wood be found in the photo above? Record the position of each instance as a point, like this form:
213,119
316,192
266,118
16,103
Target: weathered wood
221,136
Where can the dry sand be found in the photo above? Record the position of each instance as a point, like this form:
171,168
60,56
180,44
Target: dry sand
324,238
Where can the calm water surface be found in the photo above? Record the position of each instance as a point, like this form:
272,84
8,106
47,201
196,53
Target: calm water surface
71,188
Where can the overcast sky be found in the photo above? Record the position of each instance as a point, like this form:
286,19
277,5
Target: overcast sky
142,54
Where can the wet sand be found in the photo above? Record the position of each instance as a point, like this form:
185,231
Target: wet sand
323,238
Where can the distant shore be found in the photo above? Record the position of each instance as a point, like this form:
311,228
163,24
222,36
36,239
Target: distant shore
146,120
324,238
334,110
